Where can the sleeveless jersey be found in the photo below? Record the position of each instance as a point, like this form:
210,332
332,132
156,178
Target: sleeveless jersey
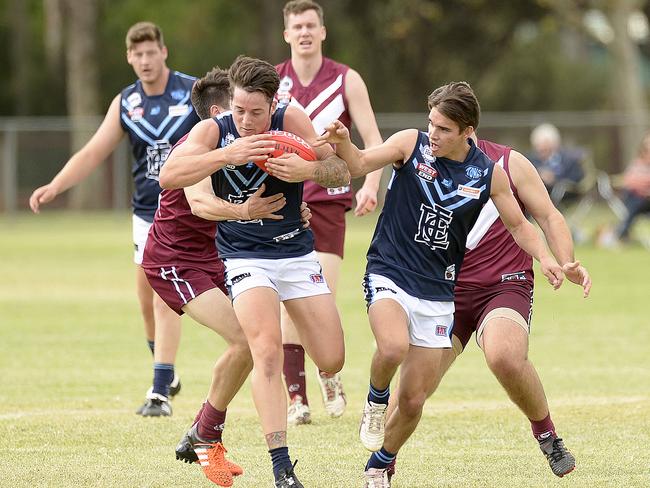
154,124
266,238
431,205
324,100
179,237
492,254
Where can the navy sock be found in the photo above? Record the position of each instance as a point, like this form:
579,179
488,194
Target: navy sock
281,461
378,396
151,344
380,459
163,375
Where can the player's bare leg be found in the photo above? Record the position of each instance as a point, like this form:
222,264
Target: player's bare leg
505,345
420,375
213,309
258,311
319,327
330,384
388,322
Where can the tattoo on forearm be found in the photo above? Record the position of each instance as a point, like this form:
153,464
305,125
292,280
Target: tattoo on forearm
332,172
276,439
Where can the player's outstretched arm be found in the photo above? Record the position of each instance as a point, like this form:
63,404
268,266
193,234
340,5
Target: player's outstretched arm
197,157
533,194
394,150
205,204
523,231
84,161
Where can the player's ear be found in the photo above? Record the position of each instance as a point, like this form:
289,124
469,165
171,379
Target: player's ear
285,34
214,110
274,105
323,34
164,52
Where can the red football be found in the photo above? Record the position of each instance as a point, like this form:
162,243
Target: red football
287,142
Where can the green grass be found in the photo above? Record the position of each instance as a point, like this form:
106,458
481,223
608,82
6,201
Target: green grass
74,366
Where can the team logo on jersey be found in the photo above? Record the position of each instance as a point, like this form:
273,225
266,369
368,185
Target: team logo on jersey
155,110
441,330
228,139
178,94
450,273
426,172
447,183
433,227
518,276
469,192
178,110
136,114
473,172
427,154
156,157
134,99
317,278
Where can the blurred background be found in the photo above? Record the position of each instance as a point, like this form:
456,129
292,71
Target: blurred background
581,65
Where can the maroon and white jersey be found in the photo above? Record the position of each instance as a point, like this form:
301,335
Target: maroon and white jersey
492,254
178,236
324,100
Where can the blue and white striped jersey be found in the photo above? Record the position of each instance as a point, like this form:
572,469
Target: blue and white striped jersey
266,238
154,124
431,205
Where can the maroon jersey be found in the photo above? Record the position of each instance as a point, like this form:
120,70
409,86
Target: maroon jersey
492,254
324,100
179,237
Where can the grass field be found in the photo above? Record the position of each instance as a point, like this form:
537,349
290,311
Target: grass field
74,366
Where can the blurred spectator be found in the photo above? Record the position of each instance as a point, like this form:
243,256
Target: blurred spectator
560,168
636,188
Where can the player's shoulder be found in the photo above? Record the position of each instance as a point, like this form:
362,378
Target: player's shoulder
493,150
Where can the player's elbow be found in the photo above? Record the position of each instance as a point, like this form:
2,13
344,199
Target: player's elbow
167,181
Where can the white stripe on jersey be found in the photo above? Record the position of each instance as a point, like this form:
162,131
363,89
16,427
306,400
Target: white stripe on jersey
329,114
324,95
489,214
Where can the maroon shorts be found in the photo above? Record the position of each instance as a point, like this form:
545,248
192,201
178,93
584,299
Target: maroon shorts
328,225
472,305
179,284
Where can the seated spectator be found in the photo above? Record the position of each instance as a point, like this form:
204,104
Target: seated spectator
636,188
557,166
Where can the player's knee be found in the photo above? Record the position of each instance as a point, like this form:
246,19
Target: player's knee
411,405
503,364
268,359
242,353
393,353
332,365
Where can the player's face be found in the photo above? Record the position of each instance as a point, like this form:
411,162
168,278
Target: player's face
251,112
304,33
148,60
446,138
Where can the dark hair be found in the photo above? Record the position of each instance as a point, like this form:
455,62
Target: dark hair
212,89
144,31
297,7
254,75
457,102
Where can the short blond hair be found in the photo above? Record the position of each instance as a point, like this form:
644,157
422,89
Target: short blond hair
142,32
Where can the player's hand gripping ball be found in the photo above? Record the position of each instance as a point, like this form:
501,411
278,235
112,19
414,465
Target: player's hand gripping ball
287,142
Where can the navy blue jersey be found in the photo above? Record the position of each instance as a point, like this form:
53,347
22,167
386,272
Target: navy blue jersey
154,124
431,205
262,238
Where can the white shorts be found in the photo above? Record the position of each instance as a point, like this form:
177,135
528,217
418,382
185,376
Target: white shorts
291,278
140,232
430,323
